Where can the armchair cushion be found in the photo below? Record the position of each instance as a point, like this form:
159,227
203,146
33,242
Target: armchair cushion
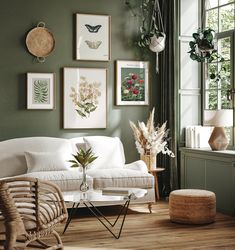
109,151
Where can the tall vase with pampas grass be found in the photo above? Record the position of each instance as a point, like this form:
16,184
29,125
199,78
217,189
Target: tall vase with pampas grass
151,140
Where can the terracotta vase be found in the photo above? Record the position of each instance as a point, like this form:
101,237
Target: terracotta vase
150,160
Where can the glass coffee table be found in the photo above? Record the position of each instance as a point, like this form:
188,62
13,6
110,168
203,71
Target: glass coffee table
93,199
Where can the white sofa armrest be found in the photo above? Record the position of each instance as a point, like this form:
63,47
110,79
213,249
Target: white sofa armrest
137,165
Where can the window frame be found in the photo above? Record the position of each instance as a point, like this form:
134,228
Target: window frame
220,35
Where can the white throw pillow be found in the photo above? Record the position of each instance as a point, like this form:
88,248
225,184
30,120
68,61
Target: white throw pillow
47,161
108,149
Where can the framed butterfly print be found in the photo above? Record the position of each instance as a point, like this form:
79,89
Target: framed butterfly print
93,37
85,94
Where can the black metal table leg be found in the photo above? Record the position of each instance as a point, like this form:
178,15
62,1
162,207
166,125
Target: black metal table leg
95,211
99,213
73,209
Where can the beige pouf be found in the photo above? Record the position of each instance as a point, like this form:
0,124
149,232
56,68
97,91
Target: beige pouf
192,206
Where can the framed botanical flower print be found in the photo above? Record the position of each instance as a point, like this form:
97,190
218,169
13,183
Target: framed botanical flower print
85,105
132,83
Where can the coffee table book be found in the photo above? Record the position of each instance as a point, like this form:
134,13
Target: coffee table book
116,191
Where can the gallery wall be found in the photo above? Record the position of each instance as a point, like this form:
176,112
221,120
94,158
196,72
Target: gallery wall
17,18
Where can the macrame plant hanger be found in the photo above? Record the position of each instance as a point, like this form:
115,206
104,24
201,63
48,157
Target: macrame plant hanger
157,43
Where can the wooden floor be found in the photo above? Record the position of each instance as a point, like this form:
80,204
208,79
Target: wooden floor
144,231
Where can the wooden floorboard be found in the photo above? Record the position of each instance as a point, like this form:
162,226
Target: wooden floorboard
144,231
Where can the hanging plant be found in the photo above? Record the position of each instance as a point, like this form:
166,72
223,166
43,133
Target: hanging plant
146,35
152,25
203,49
152,34
203,46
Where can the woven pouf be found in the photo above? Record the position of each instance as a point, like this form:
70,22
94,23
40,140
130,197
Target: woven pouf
192,206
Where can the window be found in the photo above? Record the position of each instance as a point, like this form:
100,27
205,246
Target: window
219,91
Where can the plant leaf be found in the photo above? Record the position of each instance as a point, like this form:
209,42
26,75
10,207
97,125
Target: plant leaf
195,36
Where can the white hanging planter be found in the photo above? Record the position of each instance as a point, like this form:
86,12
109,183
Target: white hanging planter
157,44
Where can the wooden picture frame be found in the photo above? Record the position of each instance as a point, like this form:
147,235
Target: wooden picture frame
93,37
85,98
41,91
132,82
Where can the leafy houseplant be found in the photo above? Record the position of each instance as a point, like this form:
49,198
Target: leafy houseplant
149,31
202,49
152,34
82,159
145,37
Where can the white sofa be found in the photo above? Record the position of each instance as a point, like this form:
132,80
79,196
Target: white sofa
47,158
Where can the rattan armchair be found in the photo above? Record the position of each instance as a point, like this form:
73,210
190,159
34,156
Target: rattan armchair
29,210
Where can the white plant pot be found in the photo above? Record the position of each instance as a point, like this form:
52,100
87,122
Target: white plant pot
157,44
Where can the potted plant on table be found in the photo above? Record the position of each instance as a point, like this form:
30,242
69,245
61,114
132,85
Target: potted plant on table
151,140
82,159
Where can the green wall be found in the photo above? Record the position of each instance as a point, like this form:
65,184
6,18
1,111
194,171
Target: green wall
16,19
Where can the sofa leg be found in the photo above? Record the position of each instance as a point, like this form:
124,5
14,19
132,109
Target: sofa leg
150,207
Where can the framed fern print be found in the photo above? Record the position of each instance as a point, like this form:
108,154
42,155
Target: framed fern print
92,37
40,90
85,94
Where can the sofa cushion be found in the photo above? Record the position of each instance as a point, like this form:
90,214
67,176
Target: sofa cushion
108,149
103,178
12,159
137,165
47,161
67,180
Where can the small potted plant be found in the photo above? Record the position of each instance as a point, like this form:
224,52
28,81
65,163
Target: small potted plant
152,35
154,40
82,159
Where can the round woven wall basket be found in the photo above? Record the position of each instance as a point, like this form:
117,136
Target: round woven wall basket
40,42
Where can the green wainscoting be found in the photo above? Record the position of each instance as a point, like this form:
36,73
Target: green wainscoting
211,170
17,18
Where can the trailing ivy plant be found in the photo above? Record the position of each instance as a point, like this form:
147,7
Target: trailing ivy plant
202,49
147,29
